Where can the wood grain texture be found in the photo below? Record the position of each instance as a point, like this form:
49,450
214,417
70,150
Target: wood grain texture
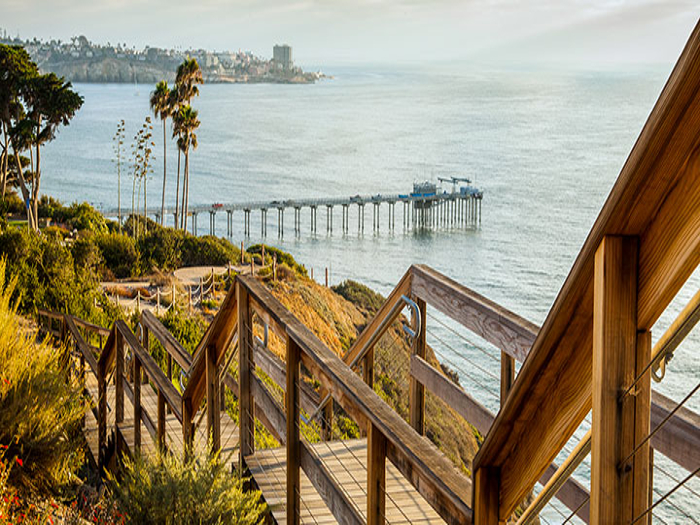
614,367
246,365
642,413
559,364
293,444
416,392
486,496
431,473
376,476
452,394
497,325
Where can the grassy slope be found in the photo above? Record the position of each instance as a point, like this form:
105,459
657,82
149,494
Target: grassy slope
337,322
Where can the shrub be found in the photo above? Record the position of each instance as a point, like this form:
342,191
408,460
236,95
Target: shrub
119,253
363,297
40,413
11,203
282,258
198,490
207,250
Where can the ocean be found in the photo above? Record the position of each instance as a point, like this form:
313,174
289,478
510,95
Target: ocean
544,146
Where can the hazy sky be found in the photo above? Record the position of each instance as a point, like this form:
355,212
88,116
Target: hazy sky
579,33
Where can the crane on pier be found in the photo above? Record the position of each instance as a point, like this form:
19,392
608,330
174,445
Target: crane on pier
454,181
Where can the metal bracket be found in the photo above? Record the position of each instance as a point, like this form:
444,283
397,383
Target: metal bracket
658,371
413,332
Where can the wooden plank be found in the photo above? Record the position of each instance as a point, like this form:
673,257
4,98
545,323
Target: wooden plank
416,392
452,394
269,411
485,498
153,371
213,398
507,375
382,320
83,347
447,490
679,438
145,416
160,436
614,366
137,404
376,476
670,246
497,325
557,481
551,392
119,380
171,345
641,401
92,327
293,444
275,368
332,494
246,365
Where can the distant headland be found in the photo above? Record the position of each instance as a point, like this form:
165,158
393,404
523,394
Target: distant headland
80,60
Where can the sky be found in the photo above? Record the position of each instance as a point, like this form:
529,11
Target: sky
563,33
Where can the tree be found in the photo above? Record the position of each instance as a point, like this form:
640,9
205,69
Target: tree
16,68
161,107
189,75
32,108
174,103
185,122
50,102
118,140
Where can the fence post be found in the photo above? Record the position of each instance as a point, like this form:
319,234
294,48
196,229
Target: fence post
246,364
619,353
376,476
138,301
507,375
262,262
118,378
213,399
172,300
326,276
161,421
158,301
274,267
293,442
416,397
137,402
242,254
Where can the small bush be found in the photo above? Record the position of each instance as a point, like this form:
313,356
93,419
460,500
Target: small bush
40,413
282,258
197,491
119,253
363,297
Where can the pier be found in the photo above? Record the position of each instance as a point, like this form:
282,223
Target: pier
426,208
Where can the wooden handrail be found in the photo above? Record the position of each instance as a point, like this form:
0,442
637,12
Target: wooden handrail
656,200
167,340
83,347
443,487
153,371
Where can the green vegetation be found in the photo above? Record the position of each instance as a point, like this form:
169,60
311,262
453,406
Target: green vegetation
363,297
40,412
284,259
32,108
198,491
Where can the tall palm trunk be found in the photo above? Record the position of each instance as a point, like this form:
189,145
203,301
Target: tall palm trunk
162,205
187,186
184,192
177,190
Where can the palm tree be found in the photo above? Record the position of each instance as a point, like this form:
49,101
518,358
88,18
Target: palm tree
189,74
185,122
174,103
160,105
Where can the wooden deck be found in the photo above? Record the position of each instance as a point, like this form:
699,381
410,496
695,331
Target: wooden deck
347,461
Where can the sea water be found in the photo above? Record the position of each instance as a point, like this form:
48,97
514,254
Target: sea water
544,146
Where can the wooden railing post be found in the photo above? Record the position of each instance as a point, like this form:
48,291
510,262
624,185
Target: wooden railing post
376,476
246,366
101,416
137,403
416,389
119,378
213,399
293,443
187,425
619,353
160,434
507,375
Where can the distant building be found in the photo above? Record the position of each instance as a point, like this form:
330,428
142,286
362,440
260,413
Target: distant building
283,56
